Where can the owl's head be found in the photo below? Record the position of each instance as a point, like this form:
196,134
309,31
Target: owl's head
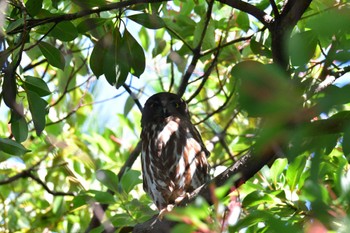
162,105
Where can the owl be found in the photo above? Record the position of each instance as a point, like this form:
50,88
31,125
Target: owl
174,158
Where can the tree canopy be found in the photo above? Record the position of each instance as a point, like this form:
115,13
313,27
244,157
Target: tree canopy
267,84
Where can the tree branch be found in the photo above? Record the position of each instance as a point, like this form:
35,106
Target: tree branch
260,15
282,27
67,17
196,53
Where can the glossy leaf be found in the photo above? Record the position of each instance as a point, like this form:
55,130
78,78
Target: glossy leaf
37,107
277,168
53,55
12,147
36,85
150,21
295,170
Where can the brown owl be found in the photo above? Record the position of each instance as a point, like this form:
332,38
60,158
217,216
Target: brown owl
174,158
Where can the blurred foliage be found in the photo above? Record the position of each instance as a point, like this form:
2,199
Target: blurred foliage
60,151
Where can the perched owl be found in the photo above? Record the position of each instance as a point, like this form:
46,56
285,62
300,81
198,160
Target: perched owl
174,158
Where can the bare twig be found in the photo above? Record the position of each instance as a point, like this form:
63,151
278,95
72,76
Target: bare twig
196,52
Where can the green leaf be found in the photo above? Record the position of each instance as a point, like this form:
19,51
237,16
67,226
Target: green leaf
263,88
302,47
243,21
110,57
98,53
53,55
295,170
346,142
89,3
15,24
37,107
108,178
256,198
90,24
19,127
260,49
104,197
130,179
12,147
183,228
208,40
277,168
64,31
37,85
147,20
136,55
33,6
116,61
129,103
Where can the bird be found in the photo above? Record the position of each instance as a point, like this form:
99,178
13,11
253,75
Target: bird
173,156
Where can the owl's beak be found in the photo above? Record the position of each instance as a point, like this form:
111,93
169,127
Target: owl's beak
164,108
165,111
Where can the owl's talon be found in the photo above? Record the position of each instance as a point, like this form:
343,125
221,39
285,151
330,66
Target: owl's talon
164,211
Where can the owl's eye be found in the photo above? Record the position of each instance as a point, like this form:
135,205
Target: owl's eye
177,105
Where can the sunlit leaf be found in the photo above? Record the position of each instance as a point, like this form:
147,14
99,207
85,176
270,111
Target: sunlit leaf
277,168
257,198
295,170
243,21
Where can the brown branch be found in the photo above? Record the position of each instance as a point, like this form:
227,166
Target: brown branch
42,183
67,17
274,8
28,173
282,26
260,15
